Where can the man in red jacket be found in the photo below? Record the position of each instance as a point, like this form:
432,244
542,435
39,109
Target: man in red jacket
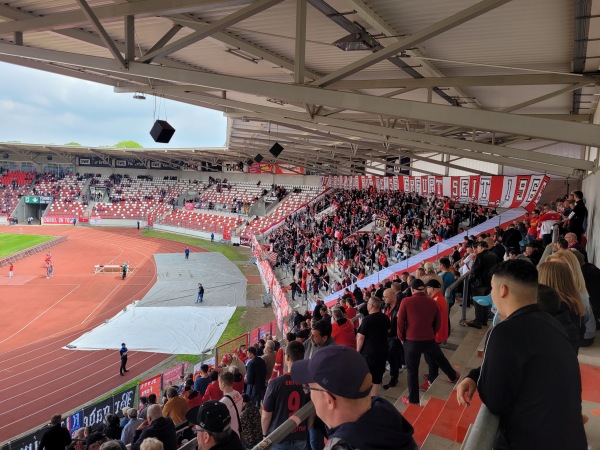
419,319
434,288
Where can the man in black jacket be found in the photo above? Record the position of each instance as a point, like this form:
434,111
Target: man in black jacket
485,260
256,372
158,427
578,215
56,437
530,370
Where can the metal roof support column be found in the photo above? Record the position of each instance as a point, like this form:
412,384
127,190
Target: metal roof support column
300,41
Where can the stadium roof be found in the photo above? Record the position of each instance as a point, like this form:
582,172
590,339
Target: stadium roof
492,86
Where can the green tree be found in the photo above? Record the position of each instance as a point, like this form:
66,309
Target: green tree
128,144
73,144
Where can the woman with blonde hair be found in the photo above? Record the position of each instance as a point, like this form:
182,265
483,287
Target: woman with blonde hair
557,274
568,257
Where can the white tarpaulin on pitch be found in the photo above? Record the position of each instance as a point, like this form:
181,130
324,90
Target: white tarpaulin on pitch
173,330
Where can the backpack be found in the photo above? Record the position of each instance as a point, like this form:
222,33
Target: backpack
250,426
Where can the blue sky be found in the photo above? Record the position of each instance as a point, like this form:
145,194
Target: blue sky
43,108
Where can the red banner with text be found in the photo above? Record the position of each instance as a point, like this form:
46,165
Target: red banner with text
150,386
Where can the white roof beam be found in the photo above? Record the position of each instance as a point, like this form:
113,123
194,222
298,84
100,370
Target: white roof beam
231,40
491,80
375,21
552,94
409,41
482,120
108,42
141,8
219,25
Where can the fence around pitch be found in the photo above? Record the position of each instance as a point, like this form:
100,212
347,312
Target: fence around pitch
230,346
31,251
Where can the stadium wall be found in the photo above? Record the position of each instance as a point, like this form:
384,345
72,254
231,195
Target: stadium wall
591,192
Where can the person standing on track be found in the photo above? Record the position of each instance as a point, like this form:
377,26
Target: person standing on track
10,271
124,270
123,353
200,293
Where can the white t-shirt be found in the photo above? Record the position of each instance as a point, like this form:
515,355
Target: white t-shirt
237,398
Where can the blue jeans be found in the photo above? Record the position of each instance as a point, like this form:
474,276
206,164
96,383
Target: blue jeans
200,296
291,445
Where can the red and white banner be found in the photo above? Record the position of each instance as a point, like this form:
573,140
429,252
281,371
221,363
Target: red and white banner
172,376
258,168
495,191
150,386
281,306
288,169
58,219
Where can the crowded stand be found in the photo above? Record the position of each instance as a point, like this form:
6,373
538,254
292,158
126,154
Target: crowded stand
326,234
378,331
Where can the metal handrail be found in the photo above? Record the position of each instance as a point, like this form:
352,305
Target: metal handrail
286,427
450,291
482,434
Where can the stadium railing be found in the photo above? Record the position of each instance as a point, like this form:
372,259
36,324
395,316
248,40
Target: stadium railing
482,434
450,290
31,251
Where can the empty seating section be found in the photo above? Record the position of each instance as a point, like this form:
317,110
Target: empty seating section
13,186
67,188
201,221
137,198
239,192
60,208
292,203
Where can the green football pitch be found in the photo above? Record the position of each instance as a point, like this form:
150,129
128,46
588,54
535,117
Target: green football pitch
13,243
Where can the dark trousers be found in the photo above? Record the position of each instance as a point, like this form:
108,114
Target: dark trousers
395,356
123,367
481,314
412,352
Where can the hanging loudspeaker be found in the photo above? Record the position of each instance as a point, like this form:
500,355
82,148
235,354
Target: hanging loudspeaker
258,158
276,150
249,161
162,132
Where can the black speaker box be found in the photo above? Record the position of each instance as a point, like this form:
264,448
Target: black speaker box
162,131
258,158
235,244
276,150
249,161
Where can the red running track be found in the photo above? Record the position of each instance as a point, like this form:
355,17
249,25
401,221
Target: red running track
38,378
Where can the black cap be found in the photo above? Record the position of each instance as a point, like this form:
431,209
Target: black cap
433,283
212,416
417,284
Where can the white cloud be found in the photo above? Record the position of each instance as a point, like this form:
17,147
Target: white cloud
38,107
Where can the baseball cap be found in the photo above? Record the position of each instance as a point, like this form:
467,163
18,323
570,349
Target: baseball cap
337,368
213,416
433,283
417,284
226,358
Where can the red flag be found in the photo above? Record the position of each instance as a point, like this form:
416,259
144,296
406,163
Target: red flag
278,367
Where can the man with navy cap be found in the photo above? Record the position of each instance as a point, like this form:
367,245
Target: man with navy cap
339,382
212,424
